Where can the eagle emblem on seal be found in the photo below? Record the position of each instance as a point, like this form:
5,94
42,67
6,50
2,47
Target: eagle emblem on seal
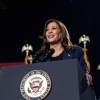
35,85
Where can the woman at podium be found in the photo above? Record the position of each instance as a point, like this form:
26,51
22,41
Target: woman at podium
56,36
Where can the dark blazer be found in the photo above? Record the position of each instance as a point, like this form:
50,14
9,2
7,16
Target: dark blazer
77,53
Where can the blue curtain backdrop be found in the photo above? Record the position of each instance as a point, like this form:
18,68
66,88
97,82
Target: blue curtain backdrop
24,25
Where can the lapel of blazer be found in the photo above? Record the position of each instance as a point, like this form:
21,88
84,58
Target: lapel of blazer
68,55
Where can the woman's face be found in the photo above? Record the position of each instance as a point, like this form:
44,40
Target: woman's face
53,33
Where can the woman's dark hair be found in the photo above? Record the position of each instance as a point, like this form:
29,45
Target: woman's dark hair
65,38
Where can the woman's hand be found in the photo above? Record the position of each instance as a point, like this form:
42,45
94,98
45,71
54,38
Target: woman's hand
89,79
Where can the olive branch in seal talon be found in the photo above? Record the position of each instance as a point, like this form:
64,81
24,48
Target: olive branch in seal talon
29,91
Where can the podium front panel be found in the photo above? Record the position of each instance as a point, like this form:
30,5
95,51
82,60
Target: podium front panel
63,74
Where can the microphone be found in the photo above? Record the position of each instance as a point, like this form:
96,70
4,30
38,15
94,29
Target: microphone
37,55
48,54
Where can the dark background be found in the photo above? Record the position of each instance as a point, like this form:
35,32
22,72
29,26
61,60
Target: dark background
23,22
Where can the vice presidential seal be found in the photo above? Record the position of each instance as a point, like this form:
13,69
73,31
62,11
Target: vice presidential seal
35,84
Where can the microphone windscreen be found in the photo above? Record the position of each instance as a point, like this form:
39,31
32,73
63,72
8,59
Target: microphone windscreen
38,53
51,51
48,54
